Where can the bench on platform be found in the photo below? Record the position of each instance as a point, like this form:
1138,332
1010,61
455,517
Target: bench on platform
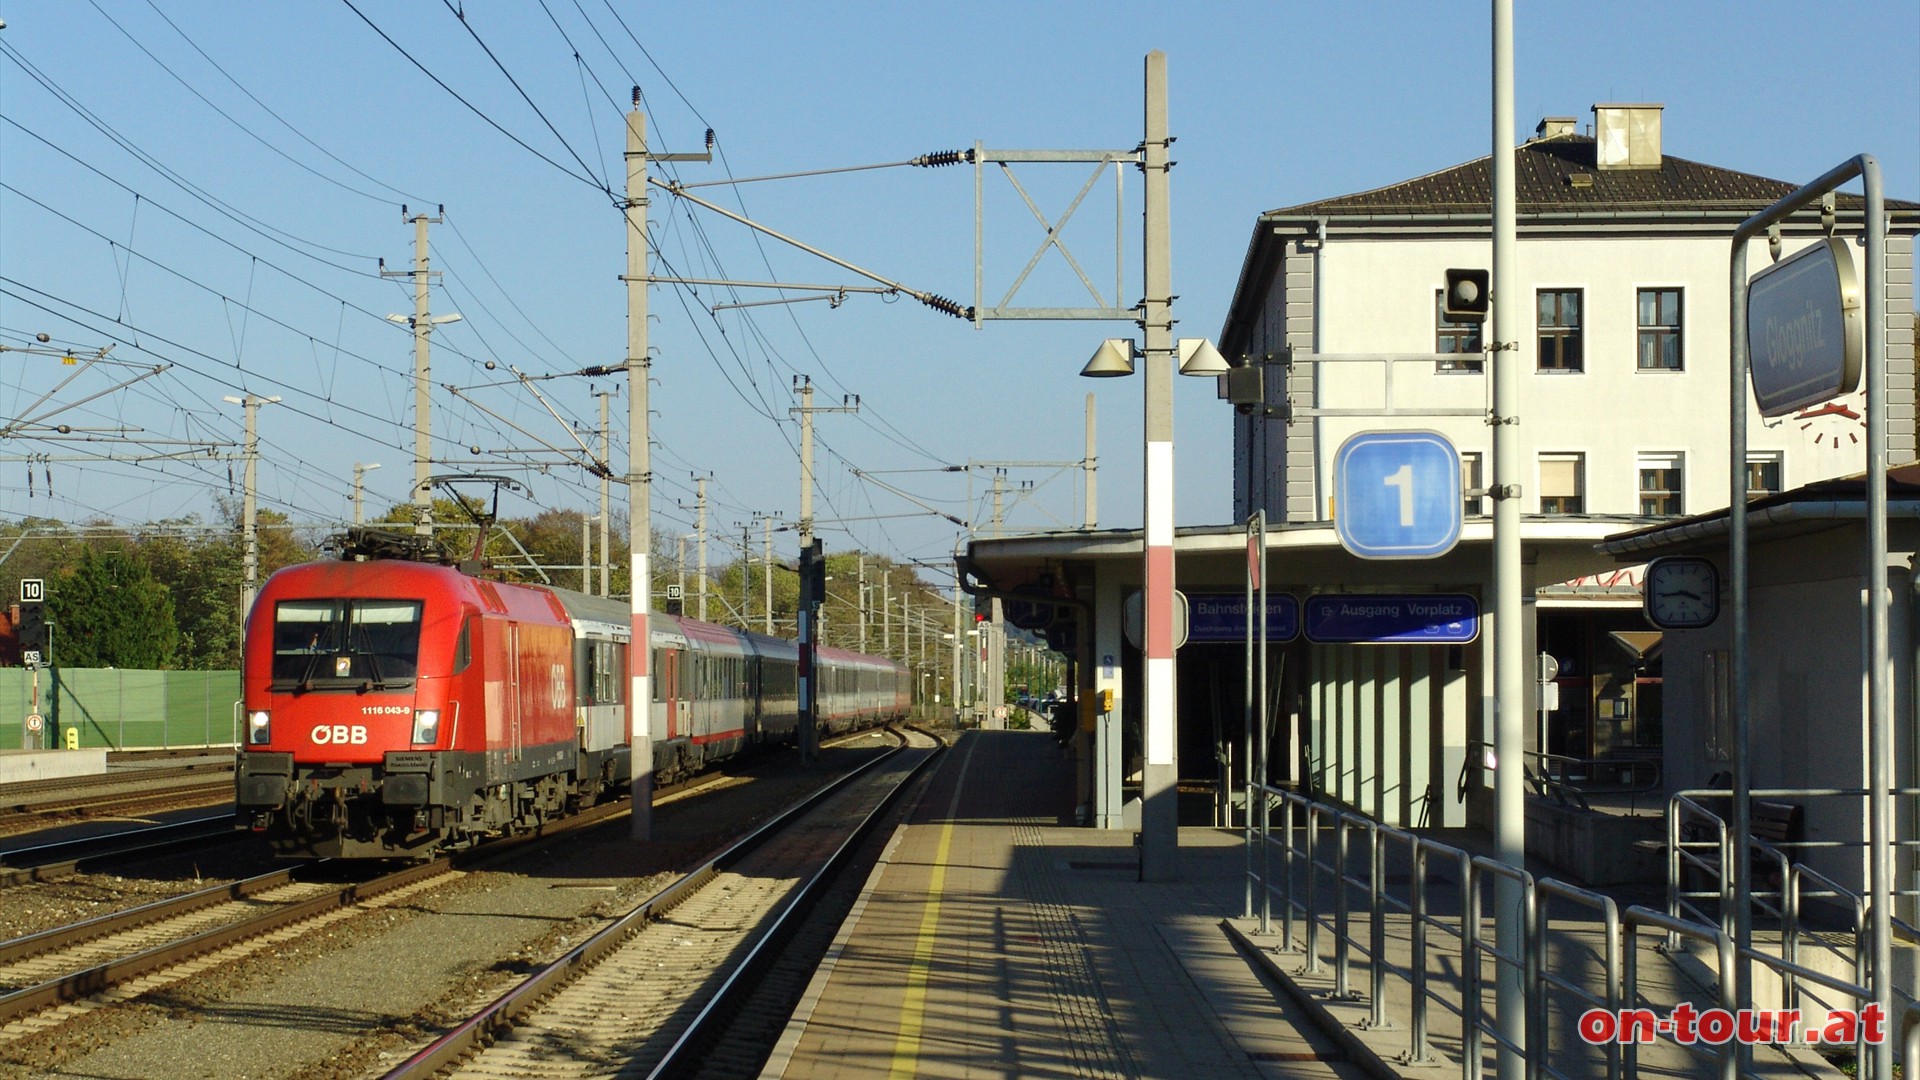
1777,824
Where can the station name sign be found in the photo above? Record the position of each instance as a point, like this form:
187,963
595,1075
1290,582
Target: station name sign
1393,619
1223,617
1805,328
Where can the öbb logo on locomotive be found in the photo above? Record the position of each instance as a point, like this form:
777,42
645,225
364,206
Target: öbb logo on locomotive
483,707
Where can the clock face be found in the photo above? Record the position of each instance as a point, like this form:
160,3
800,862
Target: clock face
1682,592
1836,424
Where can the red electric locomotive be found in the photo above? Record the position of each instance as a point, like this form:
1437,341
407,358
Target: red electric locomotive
394,708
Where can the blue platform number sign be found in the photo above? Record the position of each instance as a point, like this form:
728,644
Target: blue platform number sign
1397,494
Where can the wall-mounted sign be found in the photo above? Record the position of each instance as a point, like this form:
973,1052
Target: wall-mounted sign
1223,617
1035,615
1392,618
1805,328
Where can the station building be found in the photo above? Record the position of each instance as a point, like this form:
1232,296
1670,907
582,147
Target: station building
1337,327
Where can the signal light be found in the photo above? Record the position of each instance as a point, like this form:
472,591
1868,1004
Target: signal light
1468,295
813,573
33,625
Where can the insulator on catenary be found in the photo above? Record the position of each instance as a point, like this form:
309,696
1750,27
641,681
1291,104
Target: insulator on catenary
941,303
943,157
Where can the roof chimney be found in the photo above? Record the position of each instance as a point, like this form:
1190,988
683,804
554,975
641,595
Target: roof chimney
1627,136
1552,127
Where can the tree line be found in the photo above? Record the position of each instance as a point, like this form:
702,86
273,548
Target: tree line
166,595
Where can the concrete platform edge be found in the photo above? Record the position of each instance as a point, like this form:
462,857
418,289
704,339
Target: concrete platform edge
25,766
790,1036
1342,1020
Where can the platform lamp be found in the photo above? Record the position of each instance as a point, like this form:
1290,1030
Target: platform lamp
1115,356
1159,822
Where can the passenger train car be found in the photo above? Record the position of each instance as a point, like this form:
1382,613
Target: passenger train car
396,708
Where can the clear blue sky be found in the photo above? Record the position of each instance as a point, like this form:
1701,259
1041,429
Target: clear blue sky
209,185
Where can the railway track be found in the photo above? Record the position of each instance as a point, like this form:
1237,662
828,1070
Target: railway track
654,991
44,862
47,978
37,804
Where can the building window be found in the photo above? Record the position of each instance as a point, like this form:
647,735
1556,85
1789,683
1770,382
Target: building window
1455,338
1661,484
1660,330
1559,311
1763,474
1563,484
1471,478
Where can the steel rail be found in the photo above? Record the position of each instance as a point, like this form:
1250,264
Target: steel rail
99,977
491,1022
707,1028
61,858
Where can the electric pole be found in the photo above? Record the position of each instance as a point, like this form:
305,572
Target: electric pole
639,465
746,560
422,323
699,509
1091,467
249,518
805,410
766,565
606,480
359,477
586,555
811,596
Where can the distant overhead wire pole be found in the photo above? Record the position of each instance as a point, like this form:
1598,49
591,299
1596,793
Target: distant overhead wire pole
249,521
422,322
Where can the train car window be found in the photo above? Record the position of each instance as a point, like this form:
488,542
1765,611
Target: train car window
463,648
344,644
607,673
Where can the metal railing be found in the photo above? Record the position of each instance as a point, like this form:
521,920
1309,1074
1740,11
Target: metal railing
1319,892
1574,779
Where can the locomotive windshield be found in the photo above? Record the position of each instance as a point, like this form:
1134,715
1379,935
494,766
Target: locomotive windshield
345,644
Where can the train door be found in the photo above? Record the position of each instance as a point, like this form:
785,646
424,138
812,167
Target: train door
669,676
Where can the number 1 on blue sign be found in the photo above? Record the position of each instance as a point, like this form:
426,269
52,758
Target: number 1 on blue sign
1402,478
1398,494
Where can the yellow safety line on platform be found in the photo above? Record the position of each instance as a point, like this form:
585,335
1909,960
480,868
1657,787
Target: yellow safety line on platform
913,1003
906,1046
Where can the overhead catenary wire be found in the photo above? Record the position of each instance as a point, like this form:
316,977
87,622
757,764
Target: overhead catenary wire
755,345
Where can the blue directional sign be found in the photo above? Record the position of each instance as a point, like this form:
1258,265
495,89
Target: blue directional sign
1397,494
1223,617
1393,619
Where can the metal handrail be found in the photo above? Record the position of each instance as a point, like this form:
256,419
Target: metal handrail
1609,998
1307,873
1637,917
1474,949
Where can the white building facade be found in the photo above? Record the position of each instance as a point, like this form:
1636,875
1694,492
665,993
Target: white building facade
1623,349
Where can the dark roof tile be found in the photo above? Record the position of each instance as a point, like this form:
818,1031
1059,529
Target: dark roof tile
1545,172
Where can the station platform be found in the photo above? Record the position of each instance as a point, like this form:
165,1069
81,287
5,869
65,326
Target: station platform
997,939
25,766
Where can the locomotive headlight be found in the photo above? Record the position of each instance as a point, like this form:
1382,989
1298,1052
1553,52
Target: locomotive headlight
426,725
259,728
